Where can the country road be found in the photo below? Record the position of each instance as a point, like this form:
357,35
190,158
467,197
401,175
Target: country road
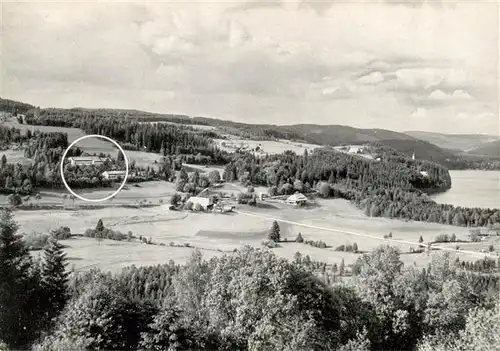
472,253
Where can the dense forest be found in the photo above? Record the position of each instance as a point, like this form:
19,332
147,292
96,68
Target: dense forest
248,300
159,137
392,187
45,151
15,107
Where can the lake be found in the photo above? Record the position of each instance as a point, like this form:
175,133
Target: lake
472,189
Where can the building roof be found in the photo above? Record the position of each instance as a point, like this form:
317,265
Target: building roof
297,197
88,158
204,201
115,172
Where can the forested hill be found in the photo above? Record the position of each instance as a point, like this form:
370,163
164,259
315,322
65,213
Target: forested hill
109,120
463,142
491,149
14,107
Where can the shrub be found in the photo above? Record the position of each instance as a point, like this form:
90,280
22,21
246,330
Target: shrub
270,244
442,238
474,237
61,233
36,241
188,206
197,207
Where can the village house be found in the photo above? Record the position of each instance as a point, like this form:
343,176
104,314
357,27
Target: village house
86,160
114,175
205,202
296,199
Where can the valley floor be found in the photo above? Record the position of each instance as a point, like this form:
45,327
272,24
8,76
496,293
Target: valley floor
215,233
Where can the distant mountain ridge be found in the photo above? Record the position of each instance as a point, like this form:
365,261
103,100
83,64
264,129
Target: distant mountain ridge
491,149
463,142
446,149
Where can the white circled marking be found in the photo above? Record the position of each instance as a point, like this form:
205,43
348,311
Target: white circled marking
101,137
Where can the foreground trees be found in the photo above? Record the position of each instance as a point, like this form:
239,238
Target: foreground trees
31,294
249,300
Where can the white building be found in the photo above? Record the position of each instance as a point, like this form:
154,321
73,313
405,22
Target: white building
296,199
86,160
113,175
424,173
205,202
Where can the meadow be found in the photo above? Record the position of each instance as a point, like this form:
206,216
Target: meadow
216,233
90,145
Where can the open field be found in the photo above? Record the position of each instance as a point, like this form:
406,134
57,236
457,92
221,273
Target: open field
269,147
153,191
92,145
15,156
194,126
212,232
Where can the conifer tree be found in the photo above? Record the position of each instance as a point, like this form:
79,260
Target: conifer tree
342,267
16,285
299,238
274,234
54,278
100,226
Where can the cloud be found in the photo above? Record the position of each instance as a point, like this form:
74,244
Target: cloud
371,78
440,95
420,113
258,60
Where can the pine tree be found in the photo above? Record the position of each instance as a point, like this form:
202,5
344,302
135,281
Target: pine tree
355,247
17,283
421,239
274,234
342,268
299,238
54,278
100,226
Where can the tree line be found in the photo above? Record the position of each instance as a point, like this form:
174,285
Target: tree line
249,300
393,187
160,137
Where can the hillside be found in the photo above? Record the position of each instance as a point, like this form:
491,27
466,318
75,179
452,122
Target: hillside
464,142
491,149
337,134
423,150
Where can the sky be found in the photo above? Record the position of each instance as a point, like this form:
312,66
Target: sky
399,65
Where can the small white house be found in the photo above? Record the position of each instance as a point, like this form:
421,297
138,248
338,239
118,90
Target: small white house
113,175
205,202
296,199
424,173
86,160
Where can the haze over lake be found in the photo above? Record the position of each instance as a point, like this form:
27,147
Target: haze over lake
472,189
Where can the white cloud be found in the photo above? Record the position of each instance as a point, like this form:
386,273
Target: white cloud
372,78
456,95
239,61
420,113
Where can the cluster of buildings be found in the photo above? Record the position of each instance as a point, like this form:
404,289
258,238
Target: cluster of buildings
96,161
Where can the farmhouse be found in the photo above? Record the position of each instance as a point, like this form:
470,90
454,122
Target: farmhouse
205,202
355,150
113,175
86,160
296,199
